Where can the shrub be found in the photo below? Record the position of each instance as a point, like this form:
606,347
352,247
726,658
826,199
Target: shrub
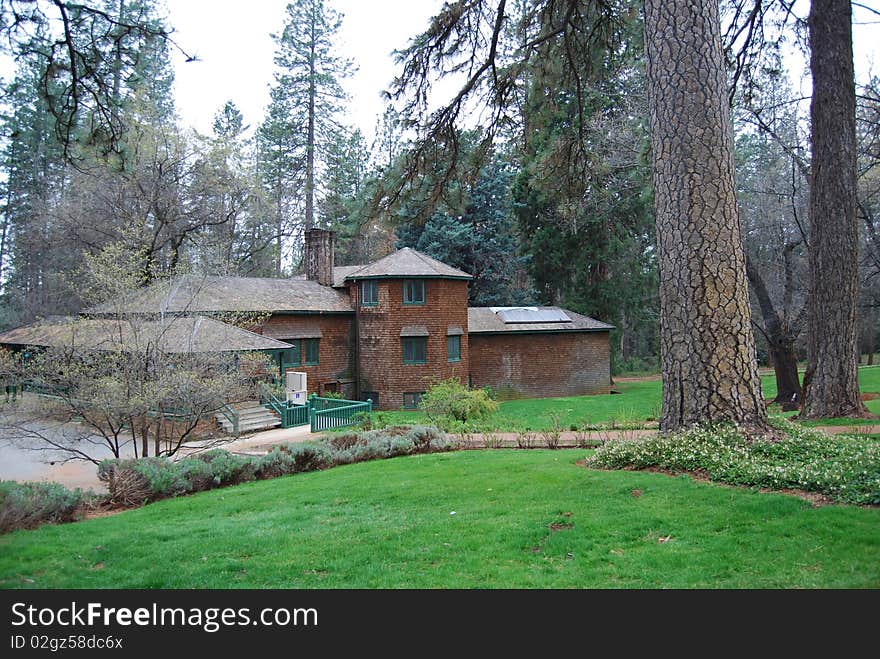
392,442
363,420
553,434
343,440
227,468
135,482
450,399
845,469
275,463
311,456
27,505
525,438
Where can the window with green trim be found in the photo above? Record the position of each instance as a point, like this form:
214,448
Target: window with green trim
299,349
411,399
292,356
415,350
453,348
413,291
310,348
369,293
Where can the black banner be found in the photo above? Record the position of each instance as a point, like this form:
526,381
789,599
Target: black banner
131,622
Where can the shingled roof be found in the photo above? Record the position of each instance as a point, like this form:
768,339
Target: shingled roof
173,334
191,294
408,262
484,320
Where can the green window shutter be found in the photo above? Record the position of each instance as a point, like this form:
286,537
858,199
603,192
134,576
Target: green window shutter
312,351
453,348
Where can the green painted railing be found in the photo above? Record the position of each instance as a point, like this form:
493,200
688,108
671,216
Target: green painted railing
330,413
294,415
321,404
291,414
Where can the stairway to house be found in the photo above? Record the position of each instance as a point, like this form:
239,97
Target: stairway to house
251,416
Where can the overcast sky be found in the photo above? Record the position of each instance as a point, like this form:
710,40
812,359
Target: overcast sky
231,39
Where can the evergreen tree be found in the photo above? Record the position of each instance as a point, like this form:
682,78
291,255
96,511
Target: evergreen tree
33,164
280,162
831,383
480,238
307,95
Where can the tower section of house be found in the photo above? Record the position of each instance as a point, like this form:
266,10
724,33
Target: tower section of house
537,352
411,324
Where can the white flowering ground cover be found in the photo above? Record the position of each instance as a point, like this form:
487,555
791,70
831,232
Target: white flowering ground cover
845,469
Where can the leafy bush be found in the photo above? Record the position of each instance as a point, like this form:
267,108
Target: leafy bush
227,468
27,505
311,456
135,482
845,469
392,442
275,463
451,400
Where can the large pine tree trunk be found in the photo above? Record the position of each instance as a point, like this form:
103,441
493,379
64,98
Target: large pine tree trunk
831,386
780,340
788,384
710,372
310,138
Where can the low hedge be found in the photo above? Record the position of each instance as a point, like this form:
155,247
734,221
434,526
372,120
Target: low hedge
845,469
28,505
135,482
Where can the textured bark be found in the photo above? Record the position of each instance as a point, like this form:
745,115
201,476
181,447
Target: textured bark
831,386
310,138
781,336
707,348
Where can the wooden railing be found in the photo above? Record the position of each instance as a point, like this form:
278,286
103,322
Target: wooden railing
327,413
291,414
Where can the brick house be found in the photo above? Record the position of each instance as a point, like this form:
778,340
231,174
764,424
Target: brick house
388,329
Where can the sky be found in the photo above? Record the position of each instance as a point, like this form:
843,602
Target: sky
231,39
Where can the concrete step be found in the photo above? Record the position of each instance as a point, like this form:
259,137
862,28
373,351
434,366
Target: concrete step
255,413
250,417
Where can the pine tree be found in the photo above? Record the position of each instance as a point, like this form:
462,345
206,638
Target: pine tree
306,99
831,382
33,164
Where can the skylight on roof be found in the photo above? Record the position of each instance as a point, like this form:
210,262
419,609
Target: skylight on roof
511,315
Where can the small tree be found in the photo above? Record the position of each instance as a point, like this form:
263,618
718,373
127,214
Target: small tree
131,400
450,399
134,384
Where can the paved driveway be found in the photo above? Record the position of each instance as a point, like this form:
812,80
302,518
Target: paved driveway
24,457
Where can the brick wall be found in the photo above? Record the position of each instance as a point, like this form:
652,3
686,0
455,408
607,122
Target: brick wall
541,365
335,353
380,349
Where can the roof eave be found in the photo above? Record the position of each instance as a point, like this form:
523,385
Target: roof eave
459,277
573,330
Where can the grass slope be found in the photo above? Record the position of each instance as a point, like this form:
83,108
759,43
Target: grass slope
389,524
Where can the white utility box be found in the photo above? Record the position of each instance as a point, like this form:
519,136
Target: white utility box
295,384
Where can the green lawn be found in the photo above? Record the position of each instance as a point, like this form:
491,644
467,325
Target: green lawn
636,401
390,524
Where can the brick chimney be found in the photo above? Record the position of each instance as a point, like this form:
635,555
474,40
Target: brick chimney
320,255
